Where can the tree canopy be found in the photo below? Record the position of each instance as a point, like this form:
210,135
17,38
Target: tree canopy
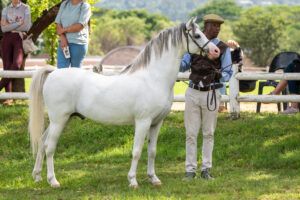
121,28
228,9
262,33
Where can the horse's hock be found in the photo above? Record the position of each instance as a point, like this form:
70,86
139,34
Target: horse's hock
115,60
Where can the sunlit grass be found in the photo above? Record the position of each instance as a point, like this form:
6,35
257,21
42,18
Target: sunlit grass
255,157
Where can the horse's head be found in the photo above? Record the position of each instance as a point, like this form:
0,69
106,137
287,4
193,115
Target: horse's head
196,40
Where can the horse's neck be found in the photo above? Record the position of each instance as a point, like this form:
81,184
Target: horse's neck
165,69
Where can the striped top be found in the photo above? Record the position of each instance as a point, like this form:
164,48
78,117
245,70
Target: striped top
13,16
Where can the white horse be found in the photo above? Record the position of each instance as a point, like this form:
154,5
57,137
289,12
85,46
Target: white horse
142,95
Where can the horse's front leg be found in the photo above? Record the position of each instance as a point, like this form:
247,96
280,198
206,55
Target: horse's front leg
153,135
141,129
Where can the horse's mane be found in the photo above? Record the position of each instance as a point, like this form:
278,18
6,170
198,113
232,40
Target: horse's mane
157,45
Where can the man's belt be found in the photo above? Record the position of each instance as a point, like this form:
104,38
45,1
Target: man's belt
206,88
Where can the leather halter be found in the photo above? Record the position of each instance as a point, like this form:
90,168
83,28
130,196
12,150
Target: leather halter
187,33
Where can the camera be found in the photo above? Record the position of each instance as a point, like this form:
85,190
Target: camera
66,52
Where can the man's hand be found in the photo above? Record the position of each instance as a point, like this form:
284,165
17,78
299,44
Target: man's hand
233,44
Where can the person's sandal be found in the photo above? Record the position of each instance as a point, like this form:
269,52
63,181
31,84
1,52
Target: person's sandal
290,111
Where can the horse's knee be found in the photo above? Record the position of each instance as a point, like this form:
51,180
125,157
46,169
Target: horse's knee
208,135
136,154
151,153
191,138
50,149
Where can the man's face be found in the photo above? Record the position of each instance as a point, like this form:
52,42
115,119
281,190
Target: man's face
212,29
15,2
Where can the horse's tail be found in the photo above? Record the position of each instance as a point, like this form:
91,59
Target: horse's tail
36,107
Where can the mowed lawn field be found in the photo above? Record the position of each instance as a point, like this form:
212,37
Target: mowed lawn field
255,157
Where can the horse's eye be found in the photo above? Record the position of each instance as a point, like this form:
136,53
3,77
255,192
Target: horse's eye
197,36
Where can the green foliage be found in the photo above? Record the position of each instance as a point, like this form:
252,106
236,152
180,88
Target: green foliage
120,28
174,10
255,157
260,33
227,9
51,43
110,33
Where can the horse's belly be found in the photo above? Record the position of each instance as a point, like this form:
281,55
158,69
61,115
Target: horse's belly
109,116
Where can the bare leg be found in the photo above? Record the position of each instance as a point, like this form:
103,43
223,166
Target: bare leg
141,130
281,85
153,135
55,130
36,173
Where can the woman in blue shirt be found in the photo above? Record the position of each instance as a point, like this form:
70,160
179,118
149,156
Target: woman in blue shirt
72,28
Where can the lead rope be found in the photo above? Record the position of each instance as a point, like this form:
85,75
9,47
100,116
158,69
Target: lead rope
214,96
213,99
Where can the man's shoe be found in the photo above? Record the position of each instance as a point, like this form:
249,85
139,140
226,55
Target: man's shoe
206,175
189,176
290,111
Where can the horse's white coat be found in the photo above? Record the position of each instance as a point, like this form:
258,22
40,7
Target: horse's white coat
142,98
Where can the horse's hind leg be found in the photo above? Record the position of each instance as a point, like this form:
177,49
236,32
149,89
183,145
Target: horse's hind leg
55,129
153,135
141,130
36,173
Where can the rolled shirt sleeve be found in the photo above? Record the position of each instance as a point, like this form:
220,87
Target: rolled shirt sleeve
85,14
226,65
7,27
27,21
185,63
15,26
58,16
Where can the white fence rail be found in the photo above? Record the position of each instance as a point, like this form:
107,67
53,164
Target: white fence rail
233,98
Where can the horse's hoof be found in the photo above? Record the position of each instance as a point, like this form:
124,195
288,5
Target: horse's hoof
55,185
154,180
156,184
53,182
133,186
37,179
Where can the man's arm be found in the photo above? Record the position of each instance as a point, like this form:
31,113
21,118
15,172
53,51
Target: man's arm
226,65
185,63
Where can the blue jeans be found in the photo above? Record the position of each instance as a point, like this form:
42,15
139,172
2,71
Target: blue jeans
77,52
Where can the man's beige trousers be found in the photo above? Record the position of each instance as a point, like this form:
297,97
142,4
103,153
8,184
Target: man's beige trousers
198,116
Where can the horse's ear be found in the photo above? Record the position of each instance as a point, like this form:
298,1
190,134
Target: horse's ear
195,19
189,23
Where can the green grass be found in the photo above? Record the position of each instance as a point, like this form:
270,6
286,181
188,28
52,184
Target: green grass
255,157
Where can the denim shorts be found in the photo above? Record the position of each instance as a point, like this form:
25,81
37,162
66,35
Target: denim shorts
77,52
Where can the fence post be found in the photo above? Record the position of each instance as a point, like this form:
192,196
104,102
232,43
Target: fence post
233,94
